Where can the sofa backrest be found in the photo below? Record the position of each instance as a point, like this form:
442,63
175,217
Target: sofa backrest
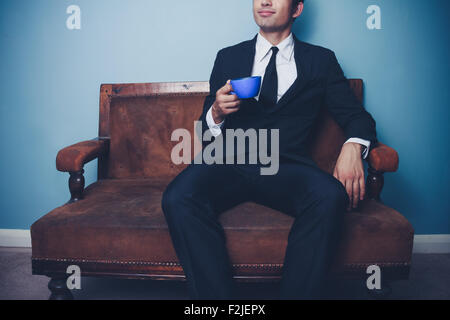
139,119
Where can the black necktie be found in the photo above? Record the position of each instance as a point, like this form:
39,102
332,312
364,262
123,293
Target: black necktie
269,89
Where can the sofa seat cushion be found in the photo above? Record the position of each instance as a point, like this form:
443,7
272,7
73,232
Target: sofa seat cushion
121,221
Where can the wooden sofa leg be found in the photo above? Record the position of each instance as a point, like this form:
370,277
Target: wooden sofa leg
76,185
380,294
58,289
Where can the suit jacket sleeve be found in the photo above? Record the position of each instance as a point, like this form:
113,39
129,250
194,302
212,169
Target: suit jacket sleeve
345,107
215,83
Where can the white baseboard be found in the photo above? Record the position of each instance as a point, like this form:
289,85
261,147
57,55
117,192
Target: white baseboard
15,238
426,243
432,243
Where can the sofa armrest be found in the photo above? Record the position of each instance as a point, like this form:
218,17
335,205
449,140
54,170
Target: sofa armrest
383,158
74,157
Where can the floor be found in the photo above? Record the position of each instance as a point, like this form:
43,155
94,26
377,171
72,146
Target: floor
429,279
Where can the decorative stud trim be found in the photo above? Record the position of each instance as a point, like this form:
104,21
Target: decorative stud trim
239,265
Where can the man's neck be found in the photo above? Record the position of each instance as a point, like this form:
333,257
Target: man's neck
275,37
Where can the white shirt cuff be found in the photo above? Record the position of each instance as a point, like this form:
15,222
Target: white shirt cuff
364,142
215,128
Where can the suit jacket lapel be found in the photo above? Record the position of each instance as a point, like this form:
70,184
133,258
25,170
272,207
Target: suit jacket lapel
300,82
245,60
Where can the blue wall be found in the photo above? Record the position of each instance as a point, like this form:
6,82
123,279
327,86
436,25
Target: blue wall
50,78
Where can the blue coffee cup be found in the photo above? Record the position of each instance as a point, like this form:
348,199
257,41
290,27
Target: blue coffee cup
247,87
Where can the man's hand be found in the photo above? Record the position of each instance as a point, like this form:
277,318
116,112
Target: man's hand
350,171
225,103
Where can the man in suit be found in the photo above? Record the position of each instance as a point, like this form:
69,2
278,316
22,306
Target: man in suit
297,79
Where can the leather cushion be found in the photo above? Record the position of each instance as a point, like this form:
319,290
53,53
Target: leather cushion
122,220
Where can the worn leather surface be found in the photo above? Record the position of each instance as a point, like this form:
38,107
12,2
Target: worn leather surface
121,220
383,158
73,158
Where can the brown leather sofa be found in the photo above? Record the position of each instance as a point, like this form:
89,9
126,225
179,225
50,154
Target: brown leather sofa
115,227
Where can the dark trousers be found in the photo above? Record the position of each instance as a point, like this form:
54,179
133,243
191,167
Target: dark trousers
193,200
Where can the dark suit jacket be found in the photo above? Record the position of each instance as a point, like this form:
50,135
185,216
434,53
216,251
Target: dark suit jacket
320,82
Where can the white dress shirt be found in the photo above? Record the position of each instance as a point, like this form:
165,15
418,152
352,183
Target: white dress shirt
286,72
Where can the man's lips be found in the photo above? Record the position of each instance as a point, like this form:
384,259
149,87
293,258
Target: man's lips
266,13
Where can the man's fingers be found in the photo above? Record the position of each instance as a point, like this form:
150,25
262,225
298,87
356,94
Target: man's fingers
349,188
362,188
228,98
226,88
229,86
230,105
335,173
355,192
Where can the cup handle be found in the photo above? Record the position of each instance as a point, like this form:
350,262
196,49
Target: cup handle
232,92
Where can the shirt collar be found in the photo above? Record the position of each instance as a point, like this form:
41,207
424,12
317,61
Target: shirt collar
263,46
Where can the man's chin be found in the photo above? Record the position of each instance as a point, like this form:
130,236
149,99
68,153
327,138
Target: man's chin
270,28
